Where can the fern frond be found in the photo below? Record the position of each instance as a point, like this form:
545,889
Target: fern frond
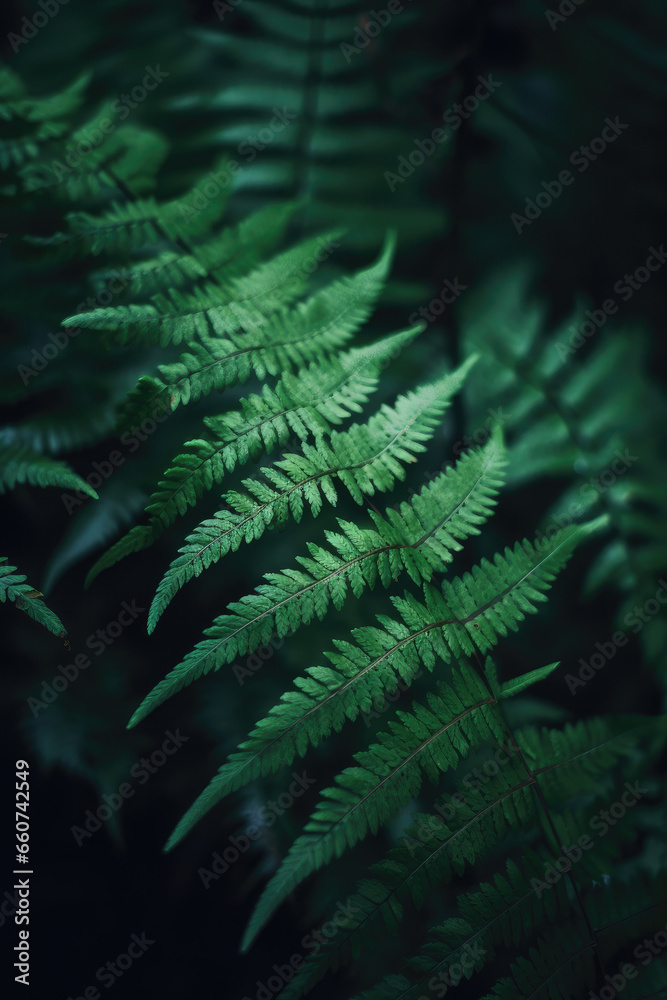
323,394
212,311
235,251
561,965
131,226
14,588
131,155
431,852
577,759
470,614
364,459
19,464
14,102
502,912
426,741
419,539
291,338
434,850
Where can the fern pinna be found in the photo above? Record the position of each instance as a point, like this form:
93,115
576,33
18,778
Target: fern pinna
540,790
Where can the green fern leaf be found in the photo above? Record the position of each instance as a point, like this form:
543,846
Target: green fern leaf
365,458
502,912
422,534
212,311
289,339
429,740
19,464
14,588
235,251
470,614
562,965
432,851
317,397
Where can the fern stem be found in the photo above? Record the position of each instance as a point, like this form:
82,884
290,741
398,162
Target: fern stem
310,99
455,245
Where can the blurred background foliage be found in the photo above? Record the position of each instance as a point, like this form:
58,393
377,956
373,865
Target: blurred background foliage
357,113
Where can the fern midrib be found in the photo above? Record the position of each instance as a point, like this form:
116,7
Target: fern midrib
559,843
338,691
413,635
317,332
318,475
436,850
360,802
341,569
478,933
347,376
567,961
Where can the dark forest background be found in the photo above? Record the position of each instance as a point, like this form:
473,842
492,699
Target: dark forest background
559,82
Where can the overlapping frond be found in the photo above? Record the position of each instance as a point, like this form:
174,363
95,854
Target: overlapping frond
464,827
364,459
125,228
427,741
468,615
289,339
419,539
312,401
572,401
216,308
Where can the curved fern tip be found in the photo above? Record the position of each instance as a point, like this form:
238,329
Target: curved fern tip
136,717
171,843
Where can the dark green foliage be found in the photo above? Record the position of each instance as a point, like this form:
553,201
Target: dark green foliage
258,328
